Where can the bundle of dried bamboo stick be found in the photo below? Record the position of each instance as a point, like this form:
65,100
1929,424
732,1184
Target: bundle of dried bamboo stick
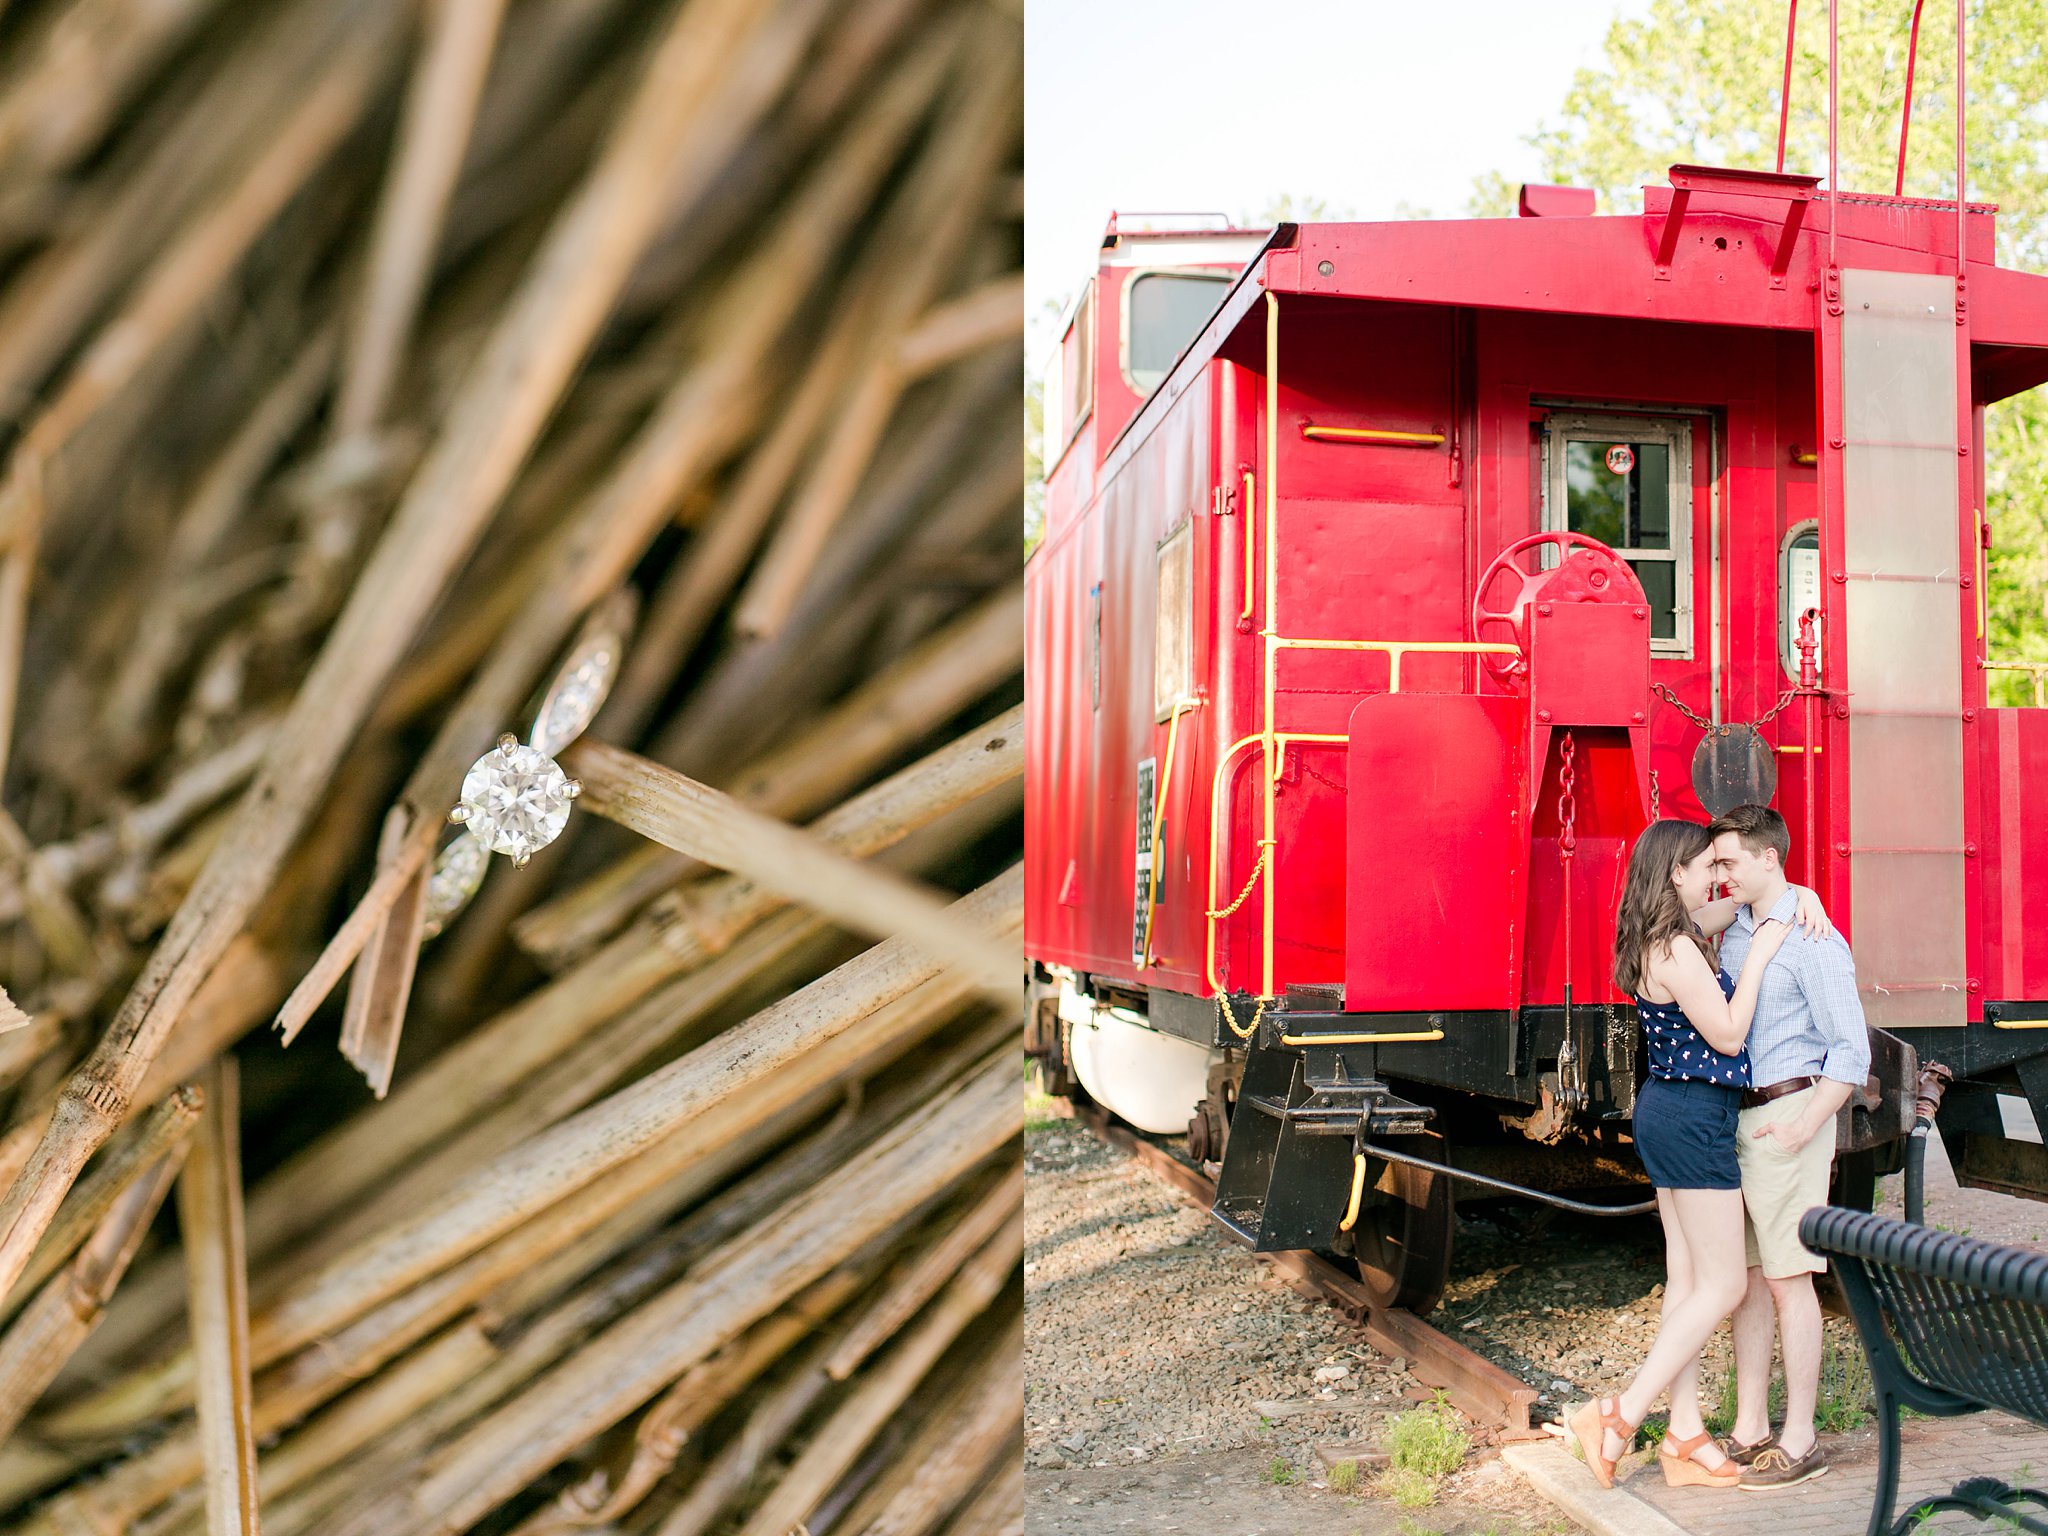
633,381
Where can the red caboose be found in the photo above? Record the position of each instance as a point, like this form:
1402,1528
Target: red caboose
1395,574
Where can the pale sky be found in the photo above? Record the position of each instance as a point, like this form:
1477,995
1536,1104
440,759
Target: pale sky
1228,104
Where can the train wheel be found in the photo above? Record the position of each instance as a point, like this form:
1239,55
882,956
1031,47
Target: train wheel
1402,1242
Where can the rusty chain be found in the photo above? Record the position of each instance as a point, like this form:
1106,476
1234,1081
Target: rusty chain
1700,720
1567,806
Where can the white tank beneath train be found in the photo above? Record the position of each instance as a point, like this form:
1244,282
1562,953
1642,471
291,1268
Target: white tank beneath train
1152,1080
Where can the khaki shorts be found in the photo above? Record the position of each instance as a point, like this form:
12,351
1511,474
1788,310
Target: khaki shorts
1779,1187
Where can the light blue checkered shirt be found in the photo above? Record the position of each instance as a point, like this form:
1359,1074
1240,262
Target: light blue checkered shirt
1809,1020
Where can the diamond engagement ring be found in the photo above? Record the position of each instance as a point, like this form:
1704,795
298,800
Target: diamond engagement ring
515,798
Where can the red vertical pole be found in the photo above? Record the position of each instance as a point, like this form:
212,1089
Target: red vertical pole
1834,104
1906,112
1785,90
1962,96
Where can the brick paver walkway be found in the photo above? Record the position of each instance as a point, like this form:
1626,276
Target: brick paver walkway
1938,1454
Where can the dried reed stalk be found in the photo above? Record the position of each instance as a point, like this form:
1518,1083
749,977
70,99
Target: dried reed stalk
520,376
677,812
886,1386
57,1320
308,307
748,1278
368,1281
963,1449
682,440
1001,1207
210,1217
95,1195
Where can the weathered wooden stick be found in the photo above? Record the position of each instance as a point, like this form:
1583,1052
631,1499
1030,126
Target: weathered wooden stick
963,1448
963,158
57,1320
1001,1207
439,109
886,1386
210,1219
990,315
566,1019
659,1437
491,427
680,1165
678,812
555,1163
773,1417
998,1510
335,1435
748,1279
705,916
95,1195
192,270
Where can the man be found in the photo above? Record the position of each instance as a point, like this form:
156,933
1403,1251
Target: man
1808,1048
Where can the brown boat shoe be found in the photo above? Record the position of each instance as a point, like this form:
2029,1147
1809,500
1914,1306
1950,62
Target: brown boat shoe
1742,1455
1774,1467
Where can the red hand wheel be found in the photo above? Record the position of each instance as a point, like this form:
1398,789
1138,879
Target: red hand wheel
1597,575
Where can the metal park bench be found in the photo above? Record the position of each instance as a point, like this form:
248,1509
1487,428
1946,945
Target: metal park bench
1952,1325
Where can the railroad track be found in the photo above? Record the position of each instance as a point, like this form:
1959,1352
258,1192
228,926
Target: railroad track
1479,1389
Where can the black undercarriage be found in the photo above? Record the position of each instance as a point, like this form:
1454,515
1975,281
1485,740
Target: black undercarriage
1312,1124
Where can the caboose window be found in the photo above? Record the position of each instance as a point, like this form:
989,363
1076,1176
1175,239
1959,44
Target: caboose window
1627,481
1173,641
1163,312
1070,379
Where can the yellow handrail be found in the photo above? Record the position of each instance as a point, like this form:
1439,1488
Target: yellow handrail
1271,740
1370,435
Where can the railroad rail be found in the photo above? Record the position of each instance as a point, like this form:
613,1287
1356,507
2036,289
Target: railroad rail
1479,1389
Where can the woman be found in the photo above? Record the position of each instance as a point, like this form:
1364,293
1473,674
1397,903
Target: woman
1694,1025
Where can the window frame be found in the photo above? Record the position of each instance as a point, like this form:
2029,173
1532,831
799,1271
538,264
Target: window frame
1788,621
1060,431
1675,432
1136,275
1173,679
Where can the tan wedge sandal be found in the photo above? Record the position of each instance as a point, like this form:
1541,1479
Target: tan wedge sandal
1681,1471
1588,1423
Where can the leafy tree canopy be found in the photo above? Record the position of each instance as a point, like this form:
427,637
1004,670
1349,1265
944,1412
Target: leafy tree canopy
1699,81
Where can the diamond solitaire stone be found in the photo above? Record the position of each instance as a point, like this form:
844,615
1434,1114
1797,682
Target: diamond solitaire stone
515,799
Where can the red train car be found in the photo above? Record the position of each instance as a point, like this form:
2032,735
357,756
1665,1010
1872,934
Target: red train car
1395,574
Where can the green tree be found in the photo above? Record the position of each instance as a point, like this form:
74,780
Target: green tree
1699,81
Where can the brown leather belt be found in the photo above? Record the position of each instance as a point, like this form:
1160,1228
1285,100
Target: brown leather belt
1753,1097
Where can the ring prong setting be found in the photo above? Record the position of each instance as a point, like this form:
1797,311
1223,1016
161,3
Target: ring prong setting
507,742
573,788
521,860
458,814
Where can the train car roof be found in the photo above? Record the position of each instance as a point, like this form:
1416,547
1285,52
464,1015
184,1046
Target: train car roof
1714,247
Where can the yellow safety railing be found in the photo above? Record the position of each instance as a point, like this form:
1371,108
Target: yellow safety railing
1316,434
1272,741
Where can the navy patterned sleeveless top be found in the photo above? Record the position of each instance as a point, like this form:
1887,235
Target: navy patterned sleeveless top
1679,1053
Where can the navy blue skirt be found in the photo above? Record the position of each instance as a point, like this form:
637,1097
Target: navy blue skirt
1685,1133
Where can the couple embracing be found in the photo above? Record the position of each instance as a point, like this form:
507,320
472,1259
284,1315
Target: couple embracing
1751,1052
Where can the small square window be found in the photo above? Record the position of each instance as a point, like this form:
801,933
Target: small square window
1627,481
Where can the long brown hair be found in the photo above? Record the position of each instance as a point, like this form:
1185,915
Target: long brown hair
1651,913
